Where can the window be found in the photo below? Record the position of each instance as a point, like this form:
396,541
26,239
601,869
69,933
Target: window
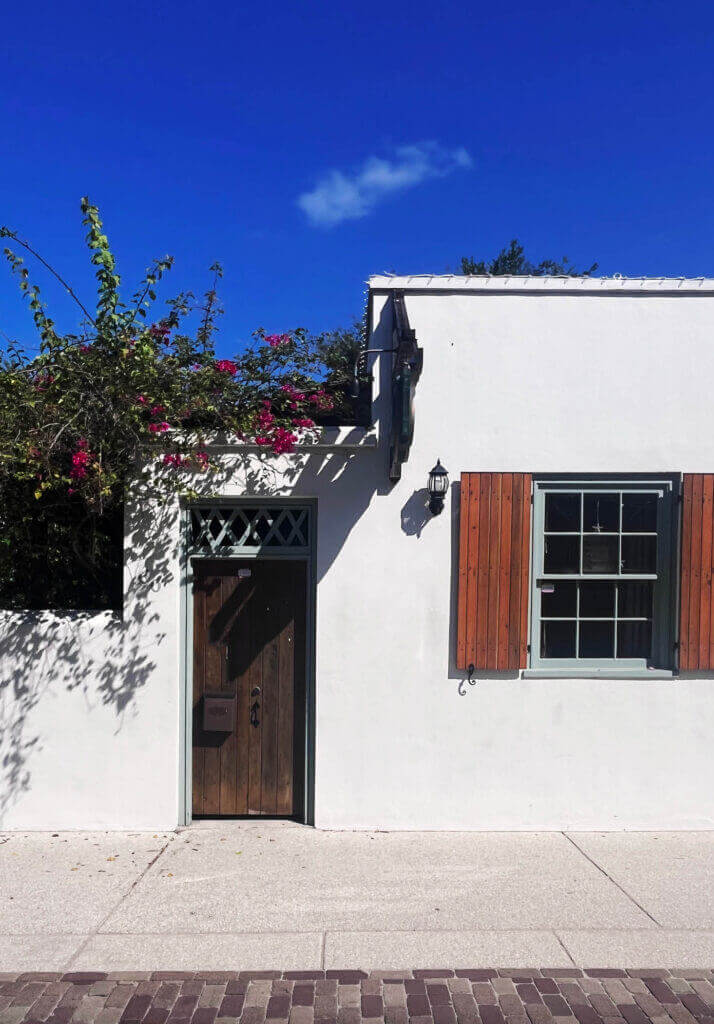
602,581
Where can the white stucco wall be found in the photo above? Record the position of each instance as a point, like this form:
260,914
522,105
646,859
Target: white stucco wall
89,703
541,381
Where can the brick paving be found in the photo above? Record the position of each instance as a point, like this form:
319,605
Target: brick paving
597,996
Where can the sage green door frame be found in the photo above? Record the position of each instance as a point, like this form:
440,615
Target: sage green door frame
309,556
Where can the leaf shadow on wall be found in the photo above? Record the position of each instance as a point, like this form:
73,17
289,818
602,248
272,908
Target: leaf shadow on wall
110,658
107,657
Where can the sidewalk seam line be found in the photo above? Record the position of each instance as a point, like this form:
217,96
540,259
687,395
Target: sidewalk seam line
611,879
116,906
565,948
324,944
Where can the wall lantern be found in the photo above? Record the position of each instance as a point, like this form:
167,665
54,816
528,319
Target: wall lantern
438,486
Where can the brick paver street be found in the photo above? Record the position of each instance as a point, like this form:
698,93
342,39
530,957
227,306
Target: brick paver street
598,996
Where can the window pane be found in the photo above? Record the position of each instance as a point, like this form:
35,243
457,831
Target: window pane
634,639
639,554
597,600
634,600
639,513
562,602
562,554
600,554
602,513
597,640
562,513
557,639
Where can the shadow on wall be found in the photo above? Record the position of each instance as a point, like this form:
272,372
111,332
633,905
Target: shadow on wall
110,657
344,482
415,513
107,656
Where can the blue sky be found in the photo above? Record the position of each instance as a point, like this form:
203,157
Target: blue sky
308,145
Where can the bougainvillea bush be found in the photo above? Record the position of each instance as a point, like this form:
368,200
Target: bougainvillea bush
88,414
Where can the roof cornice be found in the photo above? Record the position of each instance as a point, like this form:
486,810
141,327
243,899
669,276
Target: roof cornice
453,283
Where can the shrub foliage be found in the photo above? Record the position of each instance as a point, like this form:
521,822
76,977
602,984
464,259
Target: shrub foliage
94,409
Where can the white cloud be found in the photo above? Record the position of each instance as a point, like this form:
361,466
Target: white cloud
340,196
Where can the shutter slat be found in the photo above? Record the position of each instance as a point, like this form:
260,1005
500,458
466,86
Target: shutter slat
479,655
494,537
686,570
465,569
494,560
695,573
527,481
504,570
696,608
474,529
705,578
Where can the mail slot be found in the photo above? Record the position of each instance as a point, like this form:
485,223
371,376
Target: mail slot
219,712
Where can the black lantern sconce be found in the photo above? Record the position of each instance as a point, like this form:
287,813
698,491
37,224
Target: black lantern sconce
438,486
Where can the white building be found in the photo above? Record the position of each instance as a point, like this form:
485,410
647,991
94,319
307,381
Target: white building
337,618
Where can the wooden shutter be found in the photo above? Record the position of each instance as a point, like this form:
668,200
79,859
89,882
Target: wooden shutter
696,632
494,562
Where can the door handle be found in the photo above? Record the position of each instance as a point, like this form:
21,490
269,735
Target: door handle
254,720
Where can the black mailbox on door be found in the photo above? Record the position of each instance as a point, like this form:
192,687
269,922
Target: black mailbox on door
219,712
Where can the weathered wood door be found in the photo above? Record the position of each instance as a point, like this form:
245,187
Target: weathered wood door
249,632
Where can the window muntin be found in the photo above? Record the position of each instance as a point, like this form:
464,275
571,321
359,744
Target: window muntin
601,585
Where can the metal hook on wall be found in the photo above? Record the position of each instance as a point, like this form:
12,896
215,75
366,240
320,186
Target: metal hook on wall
469,679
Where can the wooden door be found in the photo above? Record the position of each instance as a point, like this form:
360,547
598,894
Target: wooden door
249,630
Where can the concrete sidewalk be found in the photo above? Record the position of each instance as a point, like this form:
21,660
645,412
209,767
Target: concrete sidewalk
248,896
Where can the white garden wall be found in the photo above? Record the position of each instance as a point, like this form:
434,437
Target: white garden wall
530,378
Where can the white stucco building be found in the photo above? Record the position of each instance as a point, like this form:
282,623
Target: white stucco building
301,642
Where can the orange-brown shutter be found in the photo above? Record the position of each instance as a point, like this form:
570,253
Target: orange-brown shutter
494,562
696,633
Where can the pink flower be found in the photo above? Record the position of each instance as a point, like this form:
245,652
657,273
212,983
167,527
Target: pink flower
156,410
322,400
262,440
275,340
173,460
141,399
81,460
196,366
202,459
160,331
227,366
159,428
85,348
42,379
304,421
284,441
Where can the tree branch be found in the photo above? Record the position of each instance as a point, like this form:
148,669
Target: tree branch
7,233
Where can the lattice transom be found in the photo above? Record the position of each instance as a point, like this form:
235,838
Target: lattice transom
221,528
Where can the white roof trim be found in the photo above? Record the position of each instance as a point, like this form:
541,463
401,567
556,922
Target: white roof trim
486,283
